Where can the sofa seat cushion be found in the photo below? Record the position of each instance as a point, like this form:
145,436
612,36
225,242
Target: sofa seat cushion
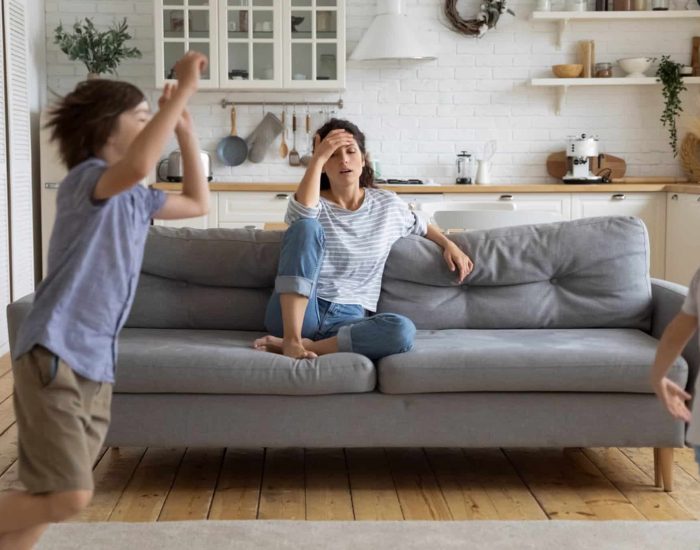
223,362
557,360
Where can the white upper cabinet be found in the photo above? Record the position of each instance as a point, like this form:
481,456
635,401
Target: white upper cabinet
182,25
255,44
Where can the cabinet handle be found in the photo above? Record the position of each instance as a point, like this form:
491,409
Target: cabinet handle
618,197
674,197
51,185
505,198
282,196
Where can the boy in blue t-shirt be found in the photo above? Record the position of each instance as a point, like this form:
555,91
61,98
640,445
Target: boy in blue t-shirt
65,352
673,341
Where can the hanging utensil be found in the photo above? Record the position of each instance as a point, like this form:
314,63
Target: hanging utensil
284,150
294,159
306,157
232,150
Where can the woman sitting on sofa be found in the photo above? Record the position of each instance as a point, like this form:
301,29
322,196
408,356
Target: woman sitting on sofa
341,229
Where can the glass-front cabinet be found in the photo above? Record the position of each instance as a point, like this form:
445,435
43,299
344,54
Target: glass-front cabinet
316,37
183,25
256,44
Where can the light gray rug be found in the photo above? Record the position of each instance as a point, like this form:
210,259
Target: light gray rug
366,535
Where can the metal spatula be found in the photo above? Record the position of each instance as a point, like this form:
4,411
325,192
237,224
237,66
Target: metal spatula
306,158
294,159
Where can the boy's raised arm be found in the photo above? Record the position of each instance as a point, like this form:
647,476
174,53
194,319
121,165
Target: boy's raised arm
145,150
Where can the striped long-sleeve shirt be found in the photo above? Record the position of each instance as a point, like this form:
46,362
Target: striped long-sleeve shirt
358,243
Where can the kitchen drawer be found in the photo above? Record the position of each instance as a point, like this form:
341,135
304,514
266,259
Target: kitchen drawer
559,203
242,225
252,207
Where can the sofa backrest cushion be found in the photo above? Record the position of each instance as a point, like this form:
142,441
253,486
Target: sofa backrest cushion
585,273
206,279
591,272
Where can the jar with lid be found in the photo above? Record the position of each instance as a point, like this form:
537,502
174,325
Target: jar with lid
464,167
659,5
603,70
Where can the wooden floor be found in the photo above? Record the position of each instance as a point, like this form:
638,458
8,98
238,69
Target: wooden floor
136,484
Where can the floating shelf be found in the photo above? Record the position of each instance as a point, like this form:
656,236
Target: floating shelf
563,84
563,17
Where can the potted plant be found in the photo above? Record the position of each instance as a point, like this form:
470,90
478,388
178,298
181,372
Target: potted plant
101,52
669,74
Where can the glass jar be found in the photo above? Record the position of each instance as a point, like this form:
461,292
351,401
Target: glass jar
603,70
659,5
623,5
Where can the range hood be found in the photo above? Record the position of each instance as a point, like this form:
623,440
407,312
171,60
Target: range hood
391,36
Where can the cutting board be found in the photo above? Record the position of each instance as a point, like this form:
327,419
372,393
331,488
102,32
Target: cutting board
556,165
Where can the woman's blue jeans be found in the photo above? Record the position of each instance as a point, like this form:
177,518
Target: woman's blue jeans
374,336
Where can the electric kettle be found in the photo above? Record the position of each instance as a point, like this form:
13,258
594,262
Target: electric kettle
170,169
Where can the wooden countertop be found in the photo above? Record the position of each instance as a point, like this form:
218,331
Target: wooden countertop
627,185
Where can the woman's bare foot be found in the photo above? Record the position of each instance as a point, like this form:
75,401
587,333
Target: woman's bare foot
294,349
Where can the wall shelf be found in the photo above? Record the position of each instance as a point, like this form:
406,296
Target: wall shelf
564,17
563,84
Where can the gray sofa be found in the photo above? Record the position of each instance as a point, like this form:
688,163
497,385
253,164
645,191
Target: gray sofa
548,343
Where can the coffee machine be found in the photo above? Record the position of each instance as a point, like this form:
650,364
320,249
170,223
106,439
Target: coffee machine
579,152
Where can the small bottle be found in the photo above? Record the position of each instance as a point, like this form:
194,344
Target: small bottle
623,5
659,5
640,5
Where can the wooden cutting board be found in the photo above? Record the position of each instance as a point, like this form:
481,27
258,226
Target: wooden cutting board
556,165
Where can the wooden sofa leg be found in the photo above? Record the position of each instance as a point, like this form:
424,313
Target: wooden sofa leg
658,482
663,468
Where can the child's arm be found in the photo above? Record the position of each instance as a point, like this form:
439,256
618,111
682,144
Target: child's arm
144,151
194,199
673,340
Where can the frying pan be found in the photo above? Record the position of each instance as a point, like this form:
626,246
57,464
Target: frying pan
232,150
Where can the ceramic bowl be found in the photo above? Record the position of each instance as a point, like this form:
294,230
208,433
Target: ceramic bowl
635,66
567,71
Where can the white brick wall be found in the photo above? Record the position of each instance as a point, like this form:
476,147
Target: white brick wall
417,116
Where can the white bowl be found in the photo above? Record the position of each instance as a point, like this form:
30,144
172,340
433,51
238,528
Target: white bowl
635,66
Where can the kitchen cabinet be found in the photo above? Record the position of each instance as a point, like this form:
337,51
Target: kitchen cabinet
559,203
255,44
211,220
682,237
650,207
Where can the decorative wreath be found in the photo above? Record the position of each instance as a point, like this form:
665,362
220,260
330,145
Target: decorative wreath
486,19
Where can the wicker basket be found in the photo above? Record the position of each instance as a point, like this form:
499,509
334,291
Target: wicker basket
690,156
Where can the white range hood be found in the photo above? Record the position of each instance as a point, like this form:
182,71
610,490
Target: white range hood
391,36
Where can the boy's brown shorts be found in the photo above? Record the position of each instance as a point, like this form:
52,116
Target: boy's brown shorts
62,419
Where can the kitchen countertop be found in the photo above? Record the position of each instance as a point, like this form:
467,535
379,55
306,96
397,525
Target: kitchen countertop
628,185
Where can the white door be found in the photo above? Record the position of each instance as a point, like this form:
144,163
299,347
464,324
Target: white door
650,207
19,149
682,237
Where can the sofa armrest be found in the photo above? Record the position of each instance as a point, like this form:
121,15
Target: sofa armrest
16,312
667,299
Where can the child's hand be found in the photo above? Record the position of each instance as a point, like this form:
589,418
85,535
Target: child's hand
188,70
184,123
673,398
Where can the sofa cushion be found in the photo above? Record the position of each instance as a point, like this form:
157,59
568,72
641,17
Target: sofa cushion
589,273
558,360
223,362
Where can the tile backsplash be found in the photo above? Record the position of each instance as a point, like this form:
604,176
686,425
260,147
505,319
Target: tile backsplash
418,115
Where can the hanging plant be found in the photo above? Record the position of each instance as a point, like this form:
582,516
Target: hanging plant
490,12
101,52
669,74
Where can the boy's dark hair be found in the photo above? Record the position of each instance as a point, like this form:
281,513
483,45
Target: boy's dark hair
367,176
82,121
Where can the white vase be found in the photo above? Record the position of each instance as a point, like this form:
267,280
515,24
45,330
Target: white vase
483,172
